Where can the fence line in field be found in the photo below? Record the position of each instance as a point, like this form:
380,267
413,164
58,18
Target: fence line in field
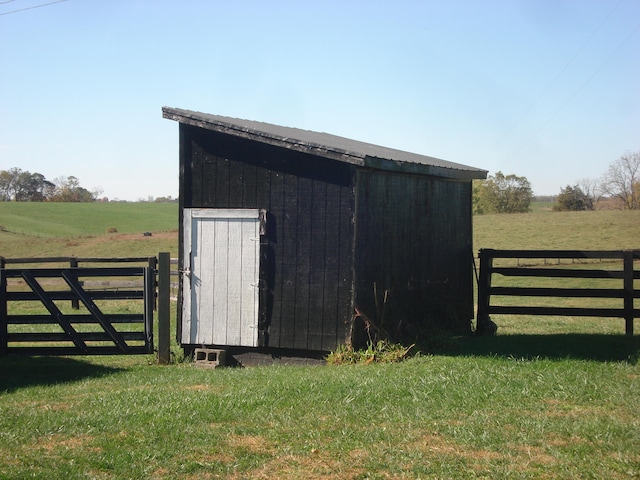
627,292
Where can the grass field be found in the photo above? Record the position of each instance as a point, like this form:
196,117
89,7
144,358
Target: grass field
597,230
545,398
87,229
68,220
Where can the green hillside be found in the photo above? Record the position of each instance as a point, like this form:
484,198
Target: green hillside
54,219
87,229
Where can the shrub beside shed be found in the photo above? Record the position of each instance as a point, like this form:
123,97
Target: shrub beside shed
292,239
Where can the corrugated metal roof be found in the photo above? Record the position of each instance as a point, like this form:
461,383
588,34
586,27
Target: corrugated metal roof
327,145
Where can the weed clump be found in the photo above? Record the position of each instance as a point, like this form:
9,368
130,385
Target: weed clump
381,351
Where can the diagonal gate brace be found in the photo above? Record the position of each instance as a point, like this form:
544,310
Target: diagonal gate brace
55,312
72,281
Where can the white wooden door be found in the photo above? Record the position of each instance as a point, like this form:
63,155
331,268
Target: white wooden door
221,275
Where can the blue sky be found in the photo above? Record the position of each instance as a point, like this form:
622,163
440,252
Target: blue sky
549,90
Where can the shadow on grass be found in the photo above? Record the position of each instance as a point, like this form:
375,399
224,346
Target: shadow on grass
19,372
603,348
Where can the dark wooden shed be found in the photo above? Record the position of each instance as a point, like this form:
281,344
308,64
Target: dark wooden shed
292,239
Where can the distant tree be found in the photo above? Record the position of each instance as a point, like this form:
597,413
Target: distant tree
622,180
574,199
502,194
544,198
16,179
23,186
96,194
68,189
592,188
5,186
476,206
167,199
36,188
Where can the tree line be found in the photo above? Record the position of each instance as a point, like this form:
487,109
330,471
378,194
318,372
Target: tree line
23,186
501,193
621,183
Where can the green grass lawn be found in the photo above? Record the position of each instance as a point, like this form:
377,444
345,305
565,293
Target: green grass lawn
458,415
546,398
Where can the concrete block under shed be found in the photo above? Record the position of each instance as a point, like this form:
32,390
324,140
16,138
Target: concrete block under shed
210,357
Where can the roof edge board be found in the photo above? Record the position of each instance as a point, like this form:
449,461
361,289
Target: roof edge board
250,134
423,169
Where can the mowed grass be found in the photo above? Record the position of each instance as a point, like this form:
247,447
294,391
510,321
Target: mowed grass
545,398
437,416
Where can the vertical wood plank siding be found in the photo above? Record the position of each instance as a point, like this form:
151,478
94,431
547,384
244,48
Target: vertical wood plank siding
308,261
413,240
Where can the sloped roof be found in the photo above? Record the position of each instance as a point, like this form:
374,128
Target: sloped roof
327,145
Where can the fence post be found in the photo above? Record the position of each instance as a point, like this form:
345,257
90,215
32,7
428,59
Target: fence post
627,255
149,300
164,279
75,303
4,332
484,325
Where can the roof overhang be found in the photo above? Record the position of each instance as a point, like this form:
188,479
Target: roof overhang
326,145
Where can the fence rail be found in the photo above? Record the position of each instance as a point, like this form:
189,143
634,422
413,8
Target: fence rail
626,292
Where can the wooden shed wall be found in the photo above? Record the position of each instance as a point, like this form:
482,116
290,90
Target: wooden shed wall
310,203
413,239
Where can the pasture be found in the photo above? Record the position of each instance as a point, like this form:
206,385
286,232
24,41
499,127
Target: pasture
545,398
87,229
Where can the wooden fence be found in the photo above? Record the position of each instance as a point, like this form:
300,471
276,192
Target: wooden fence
607,261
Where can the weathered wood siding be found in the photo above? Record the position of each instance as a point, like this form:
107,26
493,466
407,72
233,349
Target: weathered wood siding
307,258
414,241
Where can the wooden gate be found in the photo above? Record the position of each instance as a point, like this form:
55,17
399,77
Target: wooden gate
77,310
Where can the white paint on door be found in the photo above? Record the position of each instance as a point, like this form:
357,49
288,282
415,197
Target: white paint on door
221,275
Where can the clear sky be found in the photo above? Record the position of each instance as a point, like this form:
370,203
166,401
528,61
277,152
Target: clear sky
547,89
